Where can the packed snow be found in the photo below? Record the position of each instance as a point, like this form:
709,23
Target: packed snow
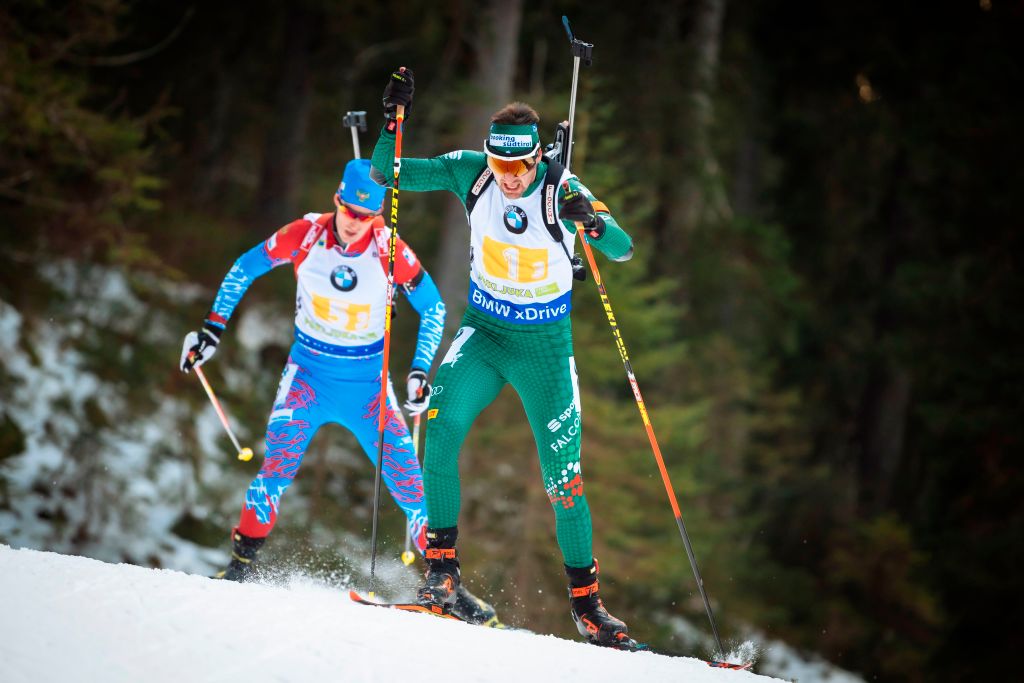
70,618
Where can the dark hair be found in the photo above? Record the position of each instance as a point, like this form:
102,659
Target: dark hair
515,114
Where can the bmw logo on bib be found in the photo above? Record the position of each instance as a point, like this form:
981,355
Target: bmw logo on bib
515,219
343,278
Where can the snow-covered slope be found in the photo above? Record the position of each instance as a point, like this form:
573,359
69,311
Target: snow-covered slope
76,619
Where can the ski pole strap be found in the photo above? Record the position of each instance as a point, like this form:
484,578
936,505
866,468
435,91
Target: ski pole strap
439,554
583,591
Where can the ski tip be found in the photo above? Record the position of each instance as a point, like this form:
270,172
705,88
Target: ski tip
370,596
729,665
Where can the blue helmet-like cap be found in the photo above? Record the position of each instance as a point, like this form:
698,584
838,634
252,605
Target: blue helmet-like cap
358,189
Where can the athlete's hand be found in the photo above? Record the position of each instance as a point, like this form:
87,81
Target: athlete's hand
574,206
418,392
199,347
398,92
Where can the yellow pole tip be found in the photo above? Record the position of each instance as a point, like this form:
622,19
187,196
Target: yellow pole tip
408,558
245,454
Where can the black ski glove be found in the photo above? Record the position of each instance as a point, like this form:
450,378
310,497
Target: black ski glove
417,391
398,92
199,347
574,206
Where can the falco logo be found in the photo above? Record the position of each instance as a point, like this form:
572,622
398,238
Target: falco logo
515,219
343,279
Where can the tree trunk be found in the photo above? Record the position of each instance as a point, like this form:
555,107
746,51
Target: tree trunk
494,39
208,170
281,170
883,421
701,189
886,399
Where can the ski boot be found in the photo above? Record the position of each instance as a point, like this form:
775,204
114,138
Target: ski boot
243,555
470,608
592,619
441,582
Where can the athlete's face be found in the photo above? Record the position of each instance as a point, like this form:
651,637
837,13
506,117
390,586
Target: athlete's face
513,186
352,221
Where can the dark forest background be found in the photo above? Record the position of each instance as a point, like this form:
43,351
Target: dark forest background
823,311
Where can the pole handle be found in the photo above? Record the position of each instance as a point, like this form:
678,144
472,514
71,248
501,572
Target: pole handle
580,49
355,119
356,122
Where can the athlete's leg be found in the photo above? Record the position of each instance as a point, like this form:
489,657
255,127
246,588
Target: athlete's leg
297,414
548,386
465,384
400,469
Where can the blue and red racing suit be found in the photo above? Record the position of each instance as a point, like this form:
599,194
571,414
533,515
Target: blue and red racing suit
333,369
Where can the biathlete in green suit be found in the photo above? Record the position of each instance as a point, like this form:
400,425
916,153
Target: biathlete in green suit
522,210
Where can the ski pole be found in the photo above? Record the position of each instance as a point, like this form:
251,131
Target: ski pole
407,555
389,299
243,453
582,50
355,120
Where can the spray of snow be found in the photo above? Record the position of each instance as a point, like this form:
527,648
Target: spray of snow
76,619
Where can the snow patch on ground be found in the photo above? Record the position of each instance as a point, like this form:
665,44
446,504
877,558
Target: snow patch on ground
108,492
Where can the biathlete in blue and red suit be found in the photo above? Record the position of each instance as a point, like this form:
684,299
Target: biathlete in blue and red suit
333,371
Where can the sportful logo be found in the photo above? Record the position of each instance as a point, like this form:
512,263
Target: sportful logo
362,195
505,140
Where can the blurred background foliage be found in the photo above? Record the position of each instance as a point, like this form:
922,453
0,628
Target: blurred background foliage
824,199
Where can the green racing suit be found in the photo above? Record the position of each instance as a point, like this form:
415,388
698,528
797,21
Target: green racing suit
516,330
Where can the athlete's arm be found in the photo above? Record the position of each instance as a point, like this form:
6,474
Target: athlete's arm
614,242
278,249
454,171
425,298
